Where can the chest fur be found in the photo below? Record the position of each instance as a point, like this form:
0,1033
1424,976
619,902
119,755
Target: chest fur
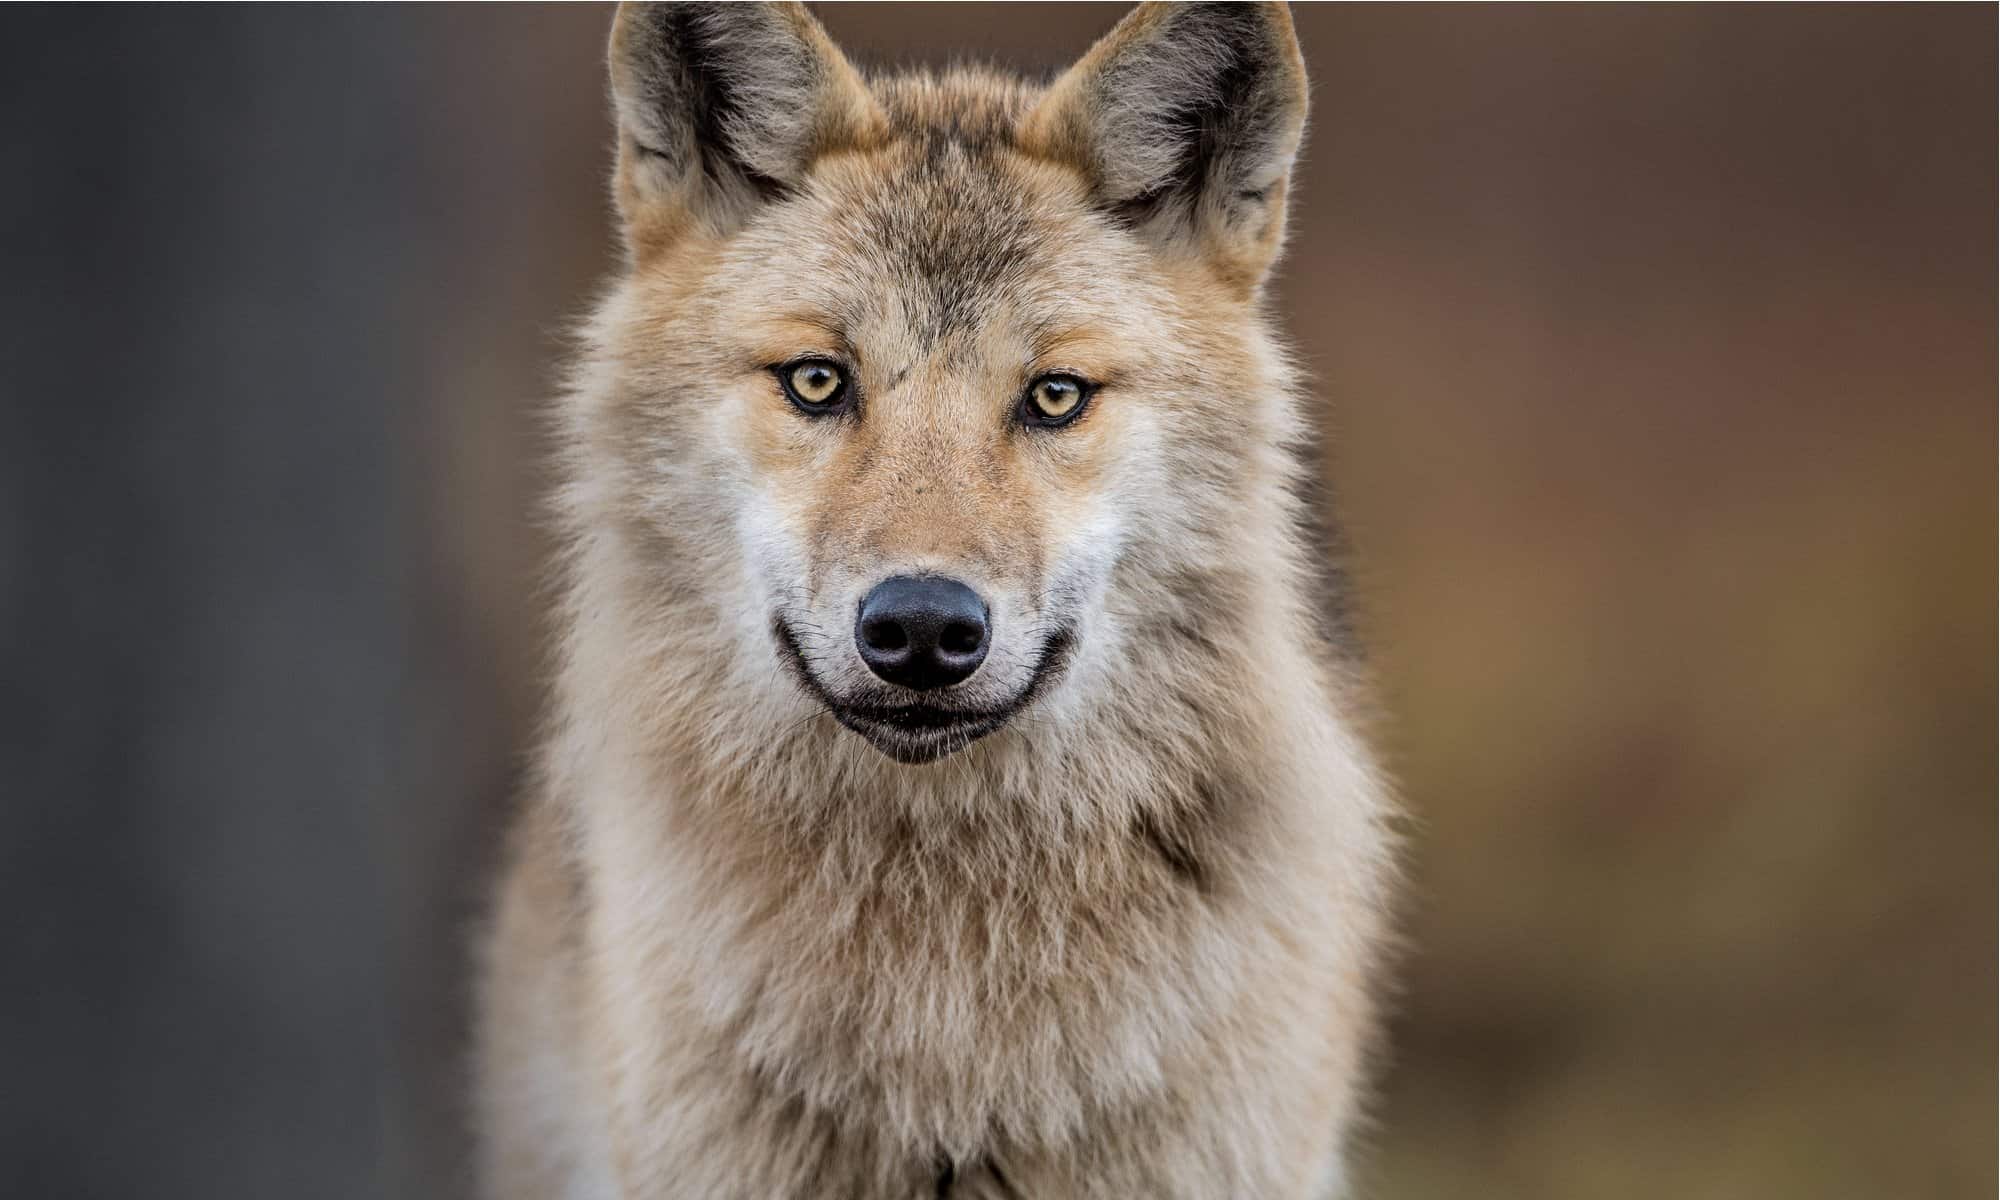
947,991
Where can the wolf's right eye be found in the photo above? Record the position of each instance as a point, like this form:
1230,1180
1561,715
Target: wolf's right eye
816,385
1054,399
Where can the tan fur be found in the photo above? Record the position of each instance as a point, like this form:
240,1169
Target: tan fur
1123,945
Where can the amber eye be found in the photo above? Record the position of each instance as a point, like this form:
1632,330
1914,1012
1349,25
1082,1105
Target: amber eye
1054,400
814,384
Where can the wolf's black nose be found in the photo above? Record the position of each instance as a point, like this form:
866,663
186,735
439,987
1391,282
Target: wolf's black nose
922,631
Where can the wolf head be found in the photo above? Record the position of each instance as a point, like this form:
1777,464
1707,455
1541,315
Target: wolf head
941,404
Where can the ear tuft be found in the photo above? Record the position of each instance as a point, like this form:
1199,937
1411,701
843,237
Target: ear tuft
1186,119
723,106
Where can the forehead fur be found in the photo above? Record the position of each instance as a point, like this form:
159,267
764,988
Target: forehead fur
973,107
944,222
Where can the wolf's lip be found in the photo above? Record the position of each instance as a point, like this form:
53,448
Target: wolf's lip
914,717
920,733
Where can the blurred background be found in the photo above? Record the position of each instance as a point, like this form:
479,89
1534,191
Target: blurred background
1657,353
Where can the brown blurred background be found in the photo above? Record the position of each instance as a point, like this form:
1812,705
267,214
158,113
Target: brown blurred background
1657,348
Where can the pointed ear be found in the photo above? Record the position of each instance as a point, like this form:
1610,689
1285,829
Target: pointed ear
1186,118
720,108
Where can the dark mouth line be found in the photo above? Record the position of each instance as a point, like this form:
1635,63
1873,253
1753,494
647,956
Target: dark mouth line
916,718
795,660
921,726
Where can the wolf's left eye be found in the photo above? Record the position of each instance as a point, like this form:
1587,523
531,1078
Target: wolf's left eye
814,384
1054,399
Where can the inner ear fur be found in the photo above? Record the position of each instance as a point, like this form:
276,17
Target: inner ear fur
1186,119
721,107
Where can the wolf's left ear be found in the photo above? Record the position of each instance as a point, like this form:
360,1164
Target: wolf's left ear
1186,119
721,107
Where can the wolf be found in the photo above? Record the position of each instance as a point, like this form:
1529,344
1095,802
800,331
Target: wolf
949,787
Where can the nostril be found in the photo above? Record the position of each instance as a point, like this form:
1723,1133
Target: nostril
884,634
958,637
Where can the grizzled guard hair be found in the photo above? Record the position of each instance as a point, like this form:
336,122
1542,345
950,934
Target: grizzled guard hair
961,366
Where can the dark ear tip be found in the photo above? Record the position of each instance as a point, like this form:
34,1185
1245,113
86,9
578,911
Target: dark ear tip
644,35
662,28
1259,35
637,21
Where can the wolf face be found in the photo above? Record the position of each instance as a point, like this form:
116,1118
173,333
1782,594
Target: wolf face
929,395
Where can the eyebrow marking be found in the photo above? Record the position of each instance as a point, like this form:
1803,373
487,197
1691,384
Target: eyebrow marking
823,322
825,326
1050,340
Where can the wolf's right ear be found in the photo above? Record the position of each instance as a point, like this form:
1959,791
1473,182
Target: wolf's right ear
722,106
